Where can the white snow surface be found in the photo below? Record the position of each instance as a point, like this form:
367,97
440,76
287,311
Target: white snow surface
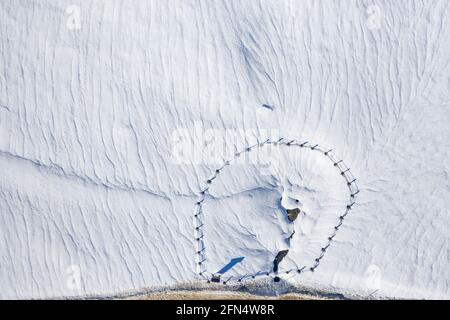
87,118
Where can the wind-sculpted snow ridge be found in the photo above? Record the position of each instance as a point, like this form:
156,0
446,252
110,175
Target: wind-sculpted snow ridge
343,170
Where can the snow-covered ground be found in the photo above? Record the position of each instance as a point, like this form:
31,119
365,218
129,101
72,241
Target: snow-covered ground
98,185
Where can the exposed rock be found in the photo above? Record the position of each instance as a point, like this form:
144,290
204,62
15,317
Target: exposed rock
280,256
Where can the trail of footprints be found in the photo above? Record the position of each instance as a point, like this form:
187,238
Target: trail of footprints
344,171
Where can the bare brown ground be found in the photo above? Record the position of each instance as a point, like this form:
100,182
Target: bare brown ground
220,295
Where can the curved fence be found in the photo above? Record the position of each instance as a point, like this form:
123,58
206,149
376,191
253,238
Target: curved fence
340,166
